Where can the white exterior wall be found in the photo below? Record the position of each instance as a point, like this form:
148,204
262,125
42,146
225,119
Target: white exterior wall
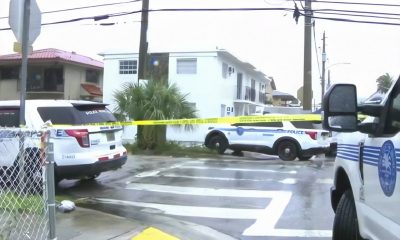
208,89
113,81
73,77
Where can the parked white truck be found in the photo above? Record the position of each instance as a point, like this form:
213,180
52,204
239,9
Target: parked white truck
366,191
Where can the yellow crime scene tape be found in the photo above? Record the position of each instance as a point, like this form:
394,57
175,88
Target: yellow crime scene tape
222,120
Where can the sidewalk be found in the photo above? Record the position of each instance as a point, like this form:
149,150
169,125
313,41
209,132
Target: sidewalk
88,224
85,224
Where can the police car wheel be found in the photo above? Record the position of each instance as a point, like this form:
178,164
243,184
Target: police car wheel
219,143
345,225
287,151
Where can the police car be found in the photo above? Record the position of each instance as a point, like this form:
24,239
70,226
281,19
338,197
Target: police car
288,140
366,192
80,150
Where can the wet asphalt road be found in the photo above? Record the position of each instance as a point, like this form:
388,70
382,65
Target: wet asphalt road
252,197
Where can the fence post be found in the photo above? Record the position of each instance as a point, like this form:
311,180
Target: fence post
21,163
50,181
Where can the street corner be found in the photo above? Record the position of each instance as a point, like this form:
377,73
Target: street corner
152,233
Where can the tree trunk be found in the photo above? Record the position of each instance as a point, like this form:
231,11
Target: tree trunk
161,135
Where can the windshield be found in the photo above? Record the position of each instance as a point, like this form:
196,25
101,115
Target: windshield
76,115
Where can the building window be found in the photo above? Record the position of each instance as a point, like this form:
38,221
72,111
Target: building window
128,67
239,83
224,70
186,66
92,76
9,73
253,90
47,80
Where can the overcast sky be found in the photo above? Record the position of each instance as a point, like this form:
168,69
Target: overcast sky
270,40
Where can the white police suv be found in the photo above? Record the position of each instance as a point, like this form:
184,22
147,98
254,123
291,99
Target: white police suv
286,139
366,191
80,150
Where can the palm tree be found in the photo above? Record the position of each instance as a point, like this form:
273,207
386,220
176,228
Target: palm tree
153,100
384,82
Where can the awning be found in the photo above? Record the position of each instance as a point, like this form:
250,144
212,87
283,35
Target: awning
92,89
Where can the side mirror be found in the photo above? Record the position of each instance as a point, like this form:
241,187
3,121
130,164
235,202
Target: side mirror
340,108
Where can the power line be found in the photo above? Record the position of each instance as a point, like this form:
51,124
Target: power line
358,15
356,3
353,11
106,16
356,21
85,7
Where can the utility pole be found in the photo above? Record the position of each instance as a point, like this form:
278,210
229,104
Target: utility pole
307,85
143,39
323,68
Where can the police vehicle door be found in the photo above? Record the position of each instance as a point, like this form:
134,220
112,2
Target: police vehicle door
381,164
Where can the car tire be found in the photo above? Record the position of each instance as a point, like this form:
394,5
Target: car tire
287,150
219,143
345,225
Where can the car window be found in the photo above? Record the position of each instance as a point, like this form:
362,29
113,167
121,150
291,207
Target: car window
9,117
76,115
393,120
303,124
260,124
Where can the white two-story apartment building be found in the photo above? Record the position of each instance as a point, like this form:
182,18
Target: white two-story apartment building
217,83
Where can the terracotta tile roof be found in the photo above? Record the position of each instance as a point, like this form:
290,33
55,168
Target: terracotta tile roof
92,89
55,54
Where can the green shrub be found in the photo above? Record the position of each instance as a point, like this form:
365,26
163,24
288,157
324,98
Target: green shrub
171,148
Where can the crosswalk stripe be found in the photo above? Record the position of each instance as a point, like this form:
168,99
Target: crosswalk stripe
215,178
268,232
289,181
197,191
237,169
192,211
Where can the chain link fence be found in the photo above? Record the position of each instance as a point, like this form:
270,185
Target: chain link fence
24,191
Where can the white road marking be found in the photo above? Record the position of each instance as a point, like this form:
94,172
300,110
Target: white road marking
197,191
266,219
192,211
216,178
265,224
148,174
291,233
284,181
237,169
153,173
325,181
289,181
271,214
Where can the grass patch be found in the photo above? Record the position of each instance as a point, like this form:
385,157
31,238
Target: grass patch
174,149
10,201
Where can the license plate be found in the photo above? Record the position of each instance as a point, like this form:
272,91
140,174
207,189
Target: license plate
110,136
